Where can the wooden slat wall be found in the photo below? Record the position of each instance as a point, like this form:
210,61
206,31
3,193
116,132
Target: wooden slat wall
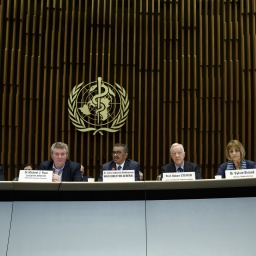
187,66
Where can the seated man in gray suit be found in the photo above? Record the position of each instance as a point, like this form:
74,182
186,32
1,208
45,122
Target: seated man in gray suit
1,174
63,169
179,164
121,162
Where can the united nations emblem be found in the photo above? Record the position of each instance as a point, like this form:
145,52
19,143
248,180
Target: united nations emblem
98,106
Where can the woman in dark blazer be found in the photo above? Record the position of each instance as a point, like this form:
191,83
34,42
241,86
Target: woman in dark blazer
235,154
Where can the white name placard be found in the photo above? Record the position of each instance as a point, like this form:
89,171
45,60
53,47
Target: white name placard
239,174
171,176
118,176
35,176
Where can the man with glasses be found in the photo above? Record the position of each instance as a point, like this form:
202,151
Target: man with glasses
121,162
177,154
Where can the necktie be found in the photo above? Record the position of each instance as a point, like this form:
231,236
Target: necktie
55,171
119,167
180,169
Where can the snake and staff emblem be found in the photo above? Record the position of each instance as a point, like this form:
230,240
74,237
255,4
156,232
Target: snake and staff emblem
102,106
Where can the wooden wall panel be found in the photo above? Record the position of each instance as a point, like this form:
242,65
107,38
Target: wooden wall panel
189,69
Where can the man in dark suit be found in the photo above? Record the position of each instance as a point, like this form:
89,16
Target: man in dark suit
1,174
84,178
179,164
121,162
63,169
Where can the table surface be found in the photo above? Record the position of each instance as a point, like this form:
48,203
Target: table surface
137,185
139,190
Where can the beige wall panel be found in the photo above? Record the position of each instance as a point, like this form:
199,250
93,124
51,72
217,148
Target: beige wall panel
189,71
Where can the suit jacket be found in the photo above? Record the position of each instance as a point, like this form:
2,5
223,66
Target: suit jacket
128,165
188,167
71,171
1,174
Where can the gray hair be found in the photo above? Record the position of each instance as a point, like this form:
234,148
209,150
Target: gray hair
122,145
59,145
175,145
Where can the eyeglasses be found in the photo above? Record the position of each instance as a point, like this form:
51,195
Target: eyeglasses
116,153
176,153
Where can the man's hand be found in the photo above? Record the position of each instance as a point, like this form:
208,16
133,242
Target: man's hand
56,178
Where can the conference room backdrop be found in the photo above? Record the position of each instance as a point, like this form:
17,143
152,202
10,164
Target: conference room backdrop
188,68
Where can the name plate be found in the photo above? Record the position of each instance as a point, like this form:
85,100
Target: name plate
118,176
245,173
171,176
35,176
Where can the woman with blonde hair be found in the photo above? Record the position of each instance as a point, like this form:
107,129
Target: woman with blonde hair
235,154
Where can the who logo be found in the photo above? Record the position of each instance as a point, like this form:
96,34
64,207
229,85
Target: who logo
98,106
